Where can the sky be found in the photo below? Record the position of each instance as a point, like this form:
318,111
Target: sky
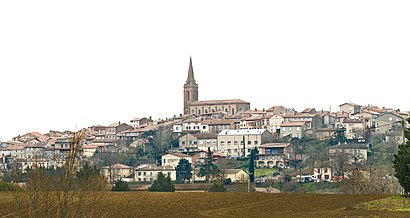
66,65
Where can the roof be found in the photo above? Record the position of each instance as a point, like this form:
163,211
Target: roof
139,118
118,166
299,115
387,113
205,135
293,124
153,167
353,104
178,154
309,110
270,145
190,79
232,171
218,122
352,121
234,132
211,102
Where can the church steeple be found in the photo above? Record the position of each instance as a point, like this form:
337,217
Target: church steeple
191,79
190,89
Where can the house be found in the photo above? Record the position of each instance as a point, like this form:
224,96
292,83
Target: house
388,122
309,111
323,174
177,127
118,172
216,126
279,110
348,153
293,129
353,128
336,119
138,122
149,172
200,141
239,142
274,122
349,108
191,125
172,159
89,150
236,175
272,155
251,123
313,121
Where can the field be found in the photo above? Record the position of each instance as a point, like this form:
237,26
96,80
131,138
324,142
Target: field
190,204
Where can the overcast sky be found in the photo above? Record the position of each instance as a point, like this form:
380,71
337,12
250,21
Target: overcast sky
69,65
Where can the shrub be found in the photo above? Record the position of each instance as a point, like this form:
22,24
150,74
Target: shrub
120,186
162,184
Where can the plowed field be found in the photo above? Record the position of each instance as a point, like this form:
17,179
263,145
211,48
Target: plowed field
145,204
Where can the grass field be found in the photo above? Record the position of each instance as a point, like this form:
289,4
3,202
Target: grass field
146,204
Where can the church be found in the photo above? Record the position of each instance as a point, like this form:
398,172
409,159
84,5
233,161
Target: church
193,106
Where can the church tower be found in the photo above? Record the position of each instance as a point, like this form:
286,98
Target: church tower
190,89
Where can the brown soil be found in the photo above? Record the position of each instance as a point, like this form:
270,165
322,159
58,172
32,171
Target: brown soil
191,204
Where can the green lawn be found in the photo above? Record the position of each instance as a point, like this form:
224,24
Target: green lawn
395,203
260,172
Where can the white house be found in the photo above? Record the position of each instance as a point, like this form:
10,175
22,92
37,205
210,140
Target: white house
172,159
149,172
239,142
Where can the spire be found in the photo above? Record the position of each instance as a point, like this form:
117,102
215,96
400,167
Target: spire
191,79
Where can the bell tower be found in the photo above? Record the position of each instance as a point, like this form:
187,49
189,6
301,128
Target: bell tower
190,89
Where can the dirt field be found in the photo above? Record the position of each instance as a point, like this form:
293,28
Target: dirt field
189,204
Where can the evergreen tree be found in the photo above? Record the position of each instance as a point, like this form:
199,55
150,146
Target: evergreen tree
252,165
162,184
120,186
183,171
209,169
401,163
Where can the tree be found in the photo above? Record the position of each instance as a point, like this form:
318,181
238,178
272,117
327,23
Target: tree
162,184
209,169
218,186
120,186
252,165
401,163
183,171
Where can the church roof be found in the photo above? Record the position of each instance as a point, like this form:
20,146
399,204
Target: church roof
228,101
191,79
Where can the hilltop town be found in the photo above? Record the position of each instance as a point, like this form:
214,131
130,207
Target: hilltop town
285,139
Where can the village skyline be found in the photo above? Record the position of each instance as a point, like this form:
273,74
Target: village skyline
66,72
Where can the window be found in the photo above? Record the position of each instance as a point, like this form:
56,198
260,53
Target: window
242,142
145,173
165,160
255,142
390,119
169,174
235,142
229,150
249,150
297,129
235,150
150,173
145,179
228,143
283,129
249,142
290,129
203,127
151,179
222,142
